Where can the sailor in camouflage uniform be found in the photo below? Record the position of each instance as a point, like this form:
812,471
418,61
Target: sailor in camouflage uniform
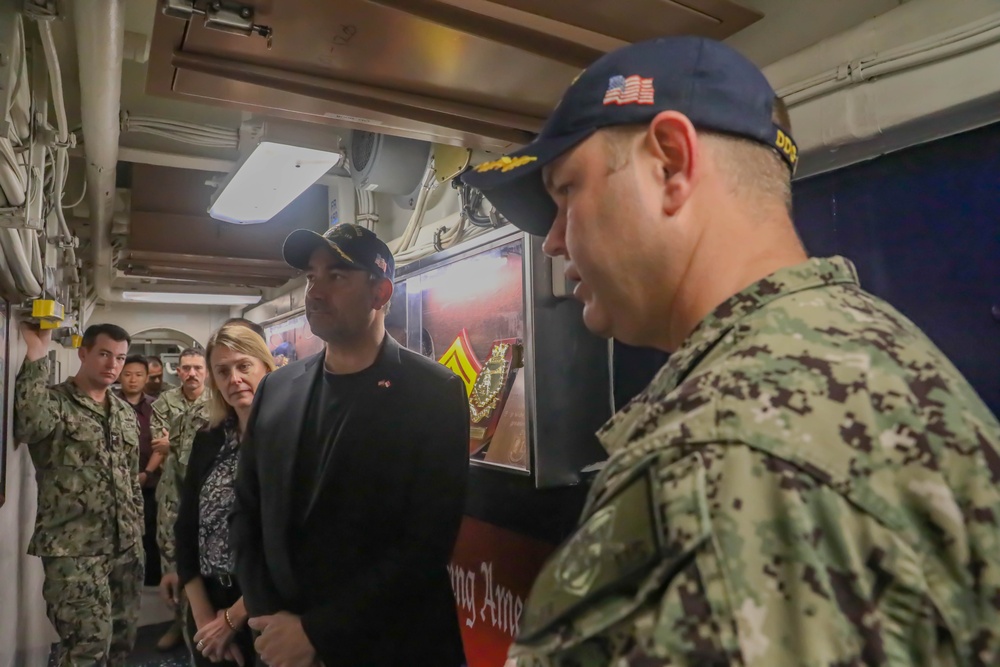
180,413
84,442
808,481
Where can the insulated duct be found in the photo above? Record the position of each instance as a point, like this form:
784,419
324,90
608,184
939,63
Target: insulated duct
100,38
386,163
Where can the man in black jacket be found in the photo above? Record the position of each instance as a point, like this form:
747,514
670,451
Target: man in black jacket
351,480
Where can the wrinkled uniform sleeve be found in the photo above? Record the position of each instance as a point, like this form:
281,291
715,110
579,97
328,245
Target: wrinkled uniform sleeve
168,488
36,408
761,565
134,431
160,418
126,474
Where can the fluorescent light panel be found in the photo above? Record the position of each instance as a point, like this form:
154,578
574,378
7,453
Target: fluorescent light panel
268,181
192,299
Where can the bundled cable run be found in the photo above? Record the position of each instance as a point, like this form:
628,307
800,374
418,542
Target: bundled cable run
211,136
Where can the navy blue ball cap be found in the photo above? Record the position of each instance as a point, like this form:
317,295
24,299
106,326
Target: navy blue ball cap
712,84
354,246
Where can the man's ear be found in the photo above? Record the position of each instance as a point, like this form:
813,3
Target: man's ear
383,293
674,144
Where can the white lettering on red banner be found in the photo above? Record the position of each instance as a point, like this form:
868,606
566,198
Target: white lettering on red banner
500,607
491,573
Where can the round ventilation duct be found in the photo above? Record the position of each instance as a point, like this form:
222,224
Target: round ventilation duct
388,164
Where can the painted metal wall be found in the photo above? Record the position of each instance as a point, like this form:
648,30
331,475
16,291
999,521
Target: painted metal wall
923,228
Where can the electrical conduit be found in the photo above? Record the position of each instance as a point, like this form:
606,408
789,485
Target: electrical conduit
61,161
964,39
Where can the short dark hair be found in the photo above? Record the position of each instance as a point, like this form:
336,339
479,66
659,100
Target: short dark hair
136,359
191,352
112,331
154,359
244,322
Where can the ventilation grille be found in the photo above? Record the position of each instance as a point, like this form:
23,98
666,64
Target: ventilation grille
362,149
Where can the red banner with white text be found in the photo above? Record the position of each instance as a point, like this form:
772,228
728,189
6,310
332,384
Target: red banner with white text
492,570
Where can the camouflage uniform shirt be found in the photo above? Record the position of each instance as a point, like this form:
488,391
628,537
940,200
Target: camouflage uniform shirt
182,419
86,458
808,482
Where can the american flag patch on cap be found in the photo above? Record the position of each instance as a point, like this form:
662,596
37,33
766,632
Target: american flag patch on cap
380,262
629,90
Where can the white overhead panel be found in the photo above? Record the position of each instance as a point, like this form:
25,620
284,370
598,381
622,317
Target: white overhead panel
280,161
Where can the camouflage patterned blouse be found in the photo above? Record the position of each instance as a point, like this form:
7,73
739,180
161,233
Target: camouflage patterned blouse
86,458
808,482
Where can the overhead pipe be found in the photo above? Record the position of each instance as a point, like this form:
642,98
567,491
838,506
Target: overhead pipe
962,40
100,36
100,39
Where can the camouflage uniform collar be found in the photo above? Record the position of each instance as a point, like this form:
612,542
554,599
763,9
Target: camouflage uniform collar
84,400
176,394
202,397
818,272
814,273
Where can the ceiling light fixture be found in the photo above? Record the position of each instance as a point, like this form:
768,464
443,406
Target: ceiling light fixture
283,162
185,298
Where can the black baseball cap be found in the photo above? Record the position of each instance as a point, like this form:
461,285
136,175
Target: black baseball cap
355,246
710,83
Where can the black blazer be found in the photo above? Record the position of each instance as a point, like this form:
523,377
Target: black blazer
368,570
207,444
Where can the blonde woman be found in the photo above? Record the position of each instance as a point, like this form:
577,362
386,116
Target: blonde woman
237,360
